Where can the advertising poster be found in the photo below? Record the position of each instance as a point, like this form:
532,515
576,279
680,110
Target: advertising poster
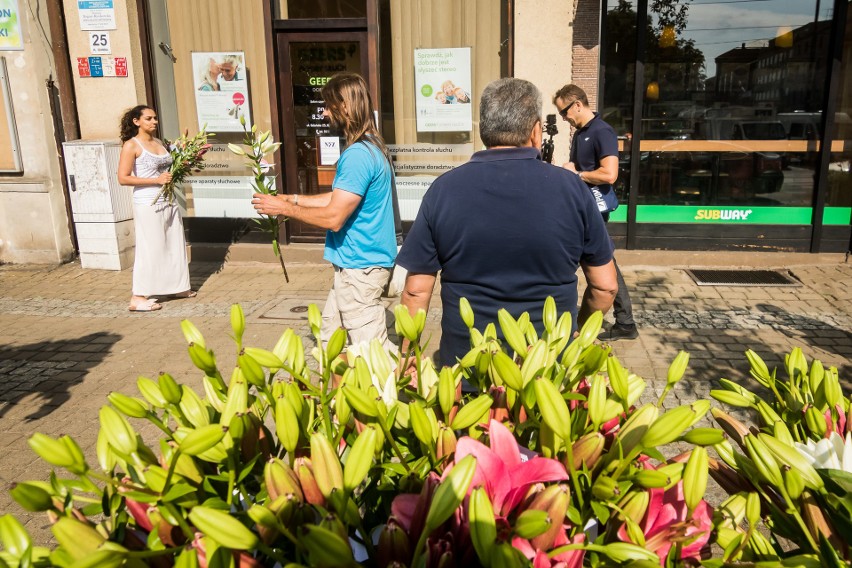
96,15
443,89
10,26
221,90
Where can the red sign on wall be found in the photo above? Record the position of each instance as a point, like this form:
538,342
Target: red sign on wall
121,67
83,67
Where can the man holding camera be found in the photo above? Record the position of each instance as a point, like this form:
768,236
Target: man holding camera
594,158
506,230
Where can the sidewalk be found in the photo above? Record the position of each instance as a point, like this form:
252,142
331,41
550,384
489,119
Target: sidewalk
67,339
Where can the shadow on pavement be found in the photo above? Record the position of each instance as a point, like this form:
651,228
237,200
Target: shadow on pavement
40,375
816,333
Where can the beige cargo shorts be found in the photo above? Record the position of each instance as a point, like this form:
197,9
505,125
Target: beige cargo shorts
355,304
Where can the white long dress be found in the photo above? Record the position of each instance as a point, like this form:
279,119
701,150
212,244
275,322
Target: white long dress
160,266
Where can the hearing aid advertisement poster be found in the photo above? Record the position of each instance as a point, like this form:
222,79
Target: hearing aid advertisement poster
443,89
221,90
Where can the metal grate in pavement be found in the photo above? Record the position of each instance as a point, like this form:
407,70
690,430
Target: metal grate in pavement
714,277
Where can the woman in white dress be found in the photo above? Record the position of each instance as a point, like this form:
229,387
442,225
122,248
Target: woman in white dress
160,266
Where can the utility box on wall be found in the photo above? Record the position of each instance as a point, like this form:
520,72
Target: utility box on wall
102,208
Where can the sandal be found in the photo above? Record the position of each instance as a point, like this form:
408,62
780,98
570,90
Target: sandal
187,294
149,305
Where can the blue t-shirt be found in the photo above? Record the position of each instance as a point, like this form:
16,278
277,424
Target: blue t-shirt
506,230
590,144
367,239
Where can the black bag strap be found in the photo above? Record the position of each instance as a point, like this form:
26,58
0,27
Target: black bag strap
397,217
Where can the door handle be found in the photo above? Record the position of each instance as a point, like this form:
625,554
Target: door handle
72,182
167,49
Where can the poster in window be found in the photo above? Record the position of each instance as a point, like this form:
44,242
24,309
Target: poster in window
221,90
10,26
443,85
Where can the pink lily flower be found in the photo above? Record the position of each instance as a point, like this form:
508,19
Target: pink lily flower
501,470
667,521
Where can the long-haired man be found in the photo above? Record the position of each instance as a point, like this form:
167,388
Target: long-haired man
358,214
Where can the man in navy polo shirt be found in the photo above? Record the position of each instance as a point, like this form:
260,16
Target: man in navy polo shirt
506,230
594,158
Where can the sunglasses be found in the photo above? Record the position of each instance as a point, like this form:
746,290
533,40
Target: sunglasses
564,112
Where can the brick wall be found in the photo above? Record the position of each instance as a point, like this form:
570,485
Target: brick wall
585,51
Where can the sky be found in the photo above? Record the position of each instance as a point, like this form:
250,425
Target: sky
718,26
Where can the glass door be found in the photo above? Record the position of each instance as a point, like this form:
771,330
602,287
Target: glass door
306,62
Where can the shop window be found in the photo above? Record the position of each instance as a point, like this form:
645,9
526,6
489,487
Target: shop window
439,56
300,9
839,197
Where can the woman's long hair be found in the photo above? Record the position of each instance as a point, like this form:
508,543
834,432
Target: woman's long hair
348,99
128,129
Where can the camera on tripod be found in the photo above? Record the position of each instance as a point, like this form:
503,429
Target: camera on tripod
550,129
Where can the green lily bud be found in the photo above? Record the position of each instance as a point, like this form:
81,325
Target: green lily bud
287,425
223,528
326,464
170,389
31,496
695,477
128,405
483,529
202,439
677,369
472,413
554,410
507,370
151,392
450,493
360,459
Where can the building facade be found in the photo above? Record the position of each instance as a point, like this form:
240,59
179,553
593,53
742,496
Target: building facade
733,118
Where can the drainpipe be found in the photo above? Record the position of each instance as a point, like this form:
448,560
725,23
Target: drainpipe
63,101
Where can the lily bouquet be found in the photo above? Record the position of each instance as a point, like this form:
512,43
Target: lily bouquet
260,144
330,456
187,158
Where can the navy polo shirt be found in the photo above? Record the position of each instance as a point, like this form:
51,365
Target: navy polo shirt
594,141
505,230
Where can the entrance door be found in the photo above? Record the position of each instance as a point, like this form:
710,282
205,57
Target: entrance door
306,62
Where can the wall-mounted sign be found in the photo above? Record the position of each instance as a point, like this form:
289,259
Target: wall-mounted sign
102,66
96,14
221,90
329,150
443,89
223,196
10,26
99,43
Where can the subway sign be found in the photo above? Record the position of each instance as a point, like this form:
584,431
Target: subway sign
707,214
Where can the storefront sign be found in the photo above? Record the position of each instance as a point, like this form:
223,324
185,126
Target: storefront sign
312,65
837,215
99,43
222,196
430,151
410,191
102,66
10,26
221,90
442,81
219,159
724,215
423,167
96,14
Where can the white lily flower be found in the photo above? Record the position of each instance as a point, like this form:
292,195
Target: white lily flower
381,367
829,453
